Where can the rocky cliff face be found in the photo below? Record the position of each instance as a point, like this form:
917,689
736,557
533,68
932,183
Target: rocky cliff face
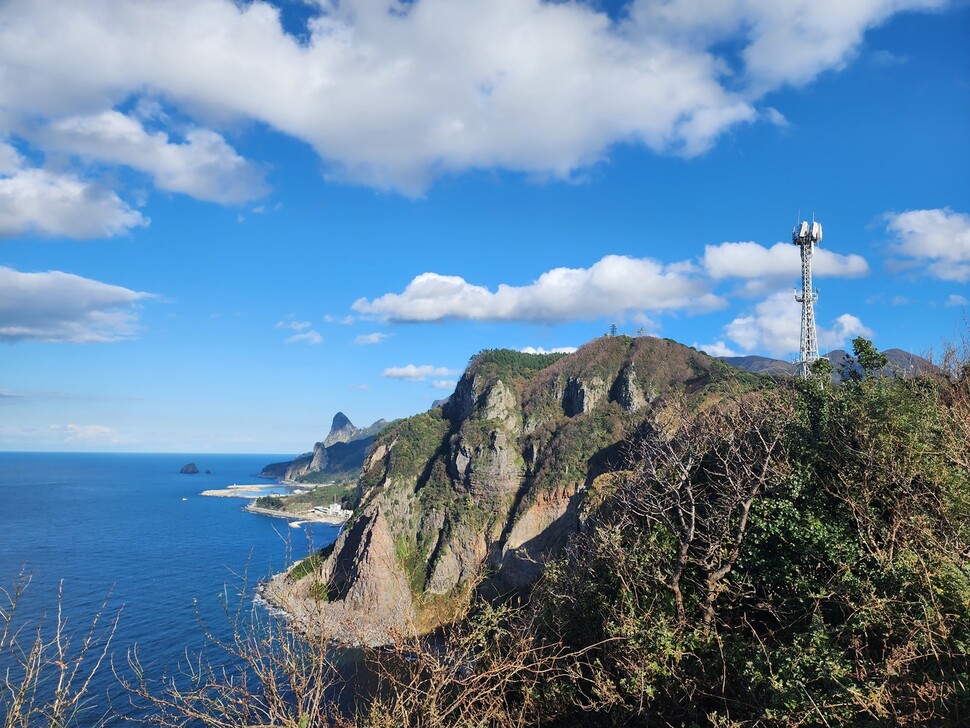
479,493
339,455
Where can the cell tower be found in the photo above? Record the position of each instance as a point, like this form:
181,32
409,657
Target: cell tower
806,237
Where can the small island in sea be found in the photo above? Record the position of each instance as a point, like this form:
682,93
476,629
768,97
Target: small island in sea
190,469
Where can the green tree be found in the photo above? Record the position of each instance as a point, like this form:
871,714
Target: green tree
870,359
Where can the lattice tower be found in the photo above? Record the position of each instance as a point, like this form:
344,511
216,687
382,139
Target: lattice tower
806,236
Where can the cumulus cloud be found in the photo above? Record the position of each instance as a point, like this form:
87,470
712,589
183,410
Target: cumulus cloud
614,285
392,94
762,268
774,327
955,299
445,385
62,307
204,166
780,43
38,201
413,373
366,339
938,239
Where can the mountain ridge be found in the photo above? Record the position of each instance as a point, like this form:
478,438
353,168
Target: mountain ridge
339,455
901,363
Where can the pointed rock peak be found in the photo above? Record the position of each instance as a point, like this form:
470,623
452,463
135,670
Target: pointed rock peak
342,430
340,421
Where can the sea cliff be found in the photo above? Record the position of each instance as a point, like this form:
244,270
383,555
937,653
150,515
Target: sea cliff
477,494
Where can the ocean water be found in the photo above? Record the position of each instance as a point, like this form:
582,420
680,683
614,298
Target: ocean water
129,527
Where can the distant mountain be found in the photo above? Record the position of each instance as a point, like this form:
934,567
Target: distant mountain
759,364
338,457
901,364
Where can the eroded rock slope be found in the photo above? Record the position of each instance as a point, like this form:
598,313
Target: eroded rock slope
479,493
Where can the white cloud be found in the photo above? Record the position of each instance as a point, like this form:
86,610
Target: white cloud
446,385
844,328
955,299
294,325
308,337
412,373
782,42
393,94
56,306
776,117
775,327
555,350
204,166
718,348
343,321
764,268
938,238
376,338
614,285
38,201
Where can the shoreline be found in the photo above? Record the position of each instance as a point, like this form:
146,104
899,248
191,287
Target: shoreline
299,518
254,490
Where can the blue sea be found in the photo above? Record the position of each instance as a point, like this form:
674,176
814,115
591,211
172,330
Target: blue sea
131,528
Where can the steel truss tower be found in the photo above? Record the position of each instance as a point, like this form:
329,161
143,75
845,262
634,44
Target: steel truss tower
806,237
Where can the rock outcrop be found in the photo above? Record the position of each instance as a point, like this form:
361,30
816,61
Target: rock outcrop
340,455
190,469
478,494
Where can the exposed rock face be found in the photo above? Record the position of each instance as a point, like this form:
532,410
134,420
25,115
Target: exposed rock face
582,396
627,391
190,469
367,596
324,459
479,493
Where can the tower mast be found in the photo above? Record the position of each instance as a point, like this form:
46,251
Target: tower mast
806,237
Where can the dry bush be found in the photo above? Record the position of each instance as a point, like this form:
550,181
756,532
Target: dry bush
271,675
490,670
50,678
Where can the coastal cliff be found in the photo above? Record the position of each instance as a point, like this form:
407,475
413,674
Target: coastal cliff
339,456
479,493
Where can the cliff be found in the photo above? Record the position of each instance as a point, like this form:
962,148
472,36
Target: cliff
479,493
339,456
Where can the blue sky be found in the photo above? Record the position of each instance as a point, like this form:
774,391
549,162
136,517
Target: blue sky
220,223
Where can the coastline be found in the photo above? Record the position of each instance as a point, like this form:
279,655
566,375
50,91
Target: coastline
300,518
253,490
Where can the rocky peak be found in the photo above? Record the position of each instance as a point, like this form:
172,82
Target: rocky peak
485,398
341,430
